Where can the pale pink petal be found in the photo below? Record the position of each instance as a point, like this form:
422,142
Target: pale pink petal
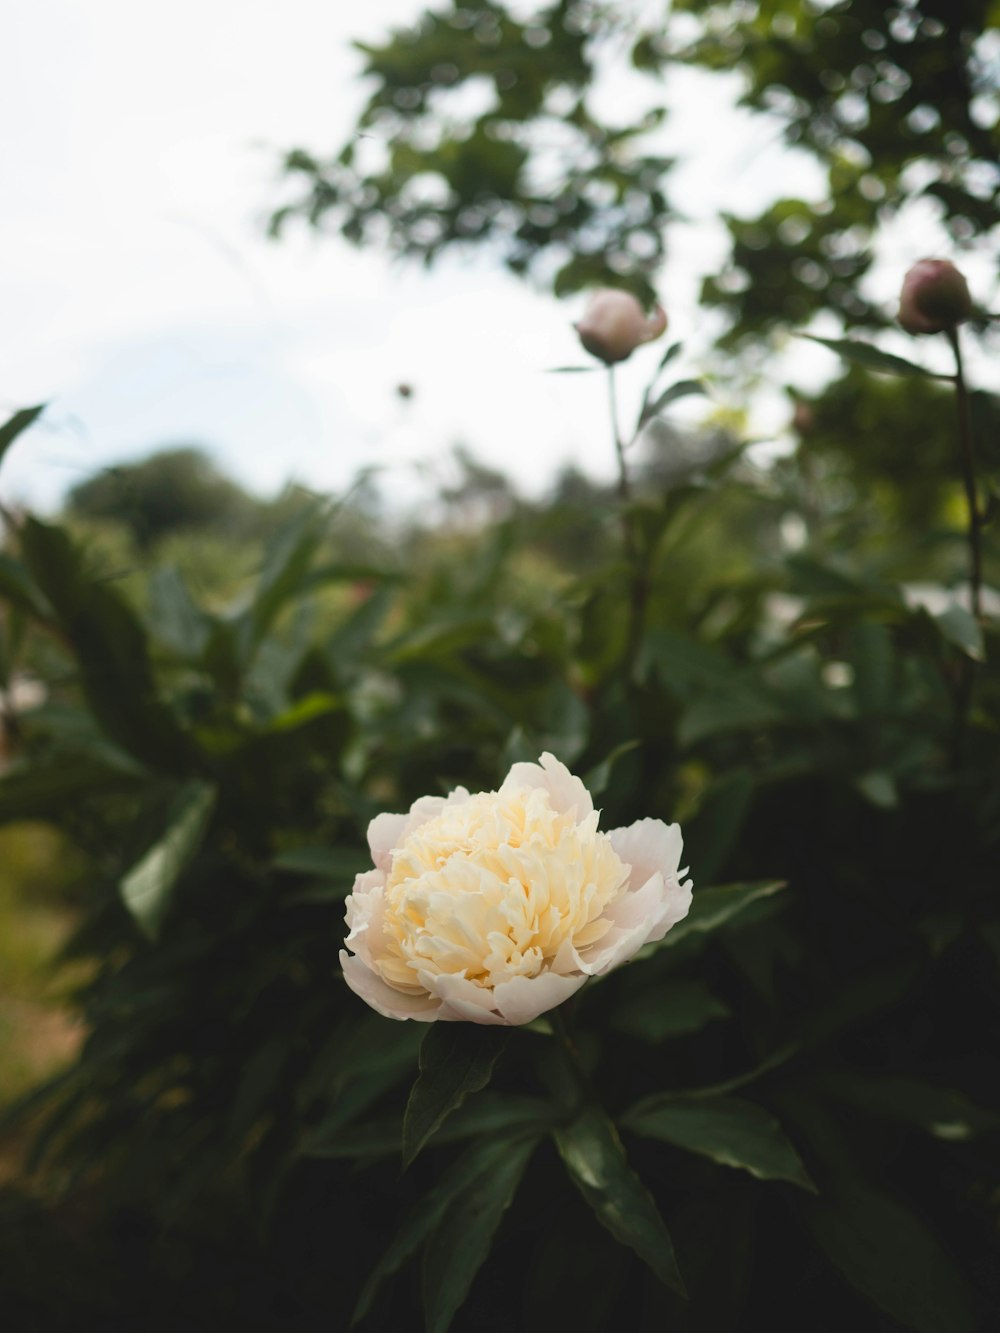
385,833
429,807
385,999
567,794
522,999
363,912
676,908
648,846
617,947
642,916
464,1001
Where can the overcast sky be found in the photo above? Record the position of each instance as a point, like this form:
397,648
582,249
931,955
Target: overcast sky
143,301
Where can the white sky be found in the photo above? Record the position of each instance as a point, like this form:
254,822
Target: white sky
142,299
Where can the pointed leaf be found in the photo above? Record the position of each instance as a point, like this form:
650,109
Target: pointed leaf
597,1165
147,887
19,422
323,862
283,576
944,1112
716,907
111,646
43,790
889,1256
483,1159
961,629
729,1130
871,358
669,1009
459,1244
18,588
455,1059
682,389
175,618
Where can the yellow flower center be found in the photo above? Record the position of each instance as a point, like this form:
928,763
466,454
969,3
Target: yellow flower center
493,887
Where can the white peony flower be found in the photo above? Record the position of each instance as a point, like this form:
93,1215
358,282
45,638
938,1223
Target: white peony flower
495,907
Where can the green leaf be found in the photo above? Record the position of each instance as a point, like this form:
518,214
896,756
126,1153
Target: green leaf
682,389
44,790
599,777
19,422
597,1165
669,1009
111,647
945,1113
714,908
459,1244
147,888
888,1255
961,629
745,707
484,1116
18,588
871,358
323,862
482,1160
175,618
880,789
362,1061
284,575
729,1130
720,818
455,1059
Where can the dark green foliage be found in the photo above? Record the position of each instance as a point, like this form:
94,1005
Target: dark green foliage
785,1109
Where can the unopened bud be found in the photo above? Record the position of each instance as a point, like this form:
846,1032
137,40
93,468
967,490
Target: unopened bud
935,297
614,324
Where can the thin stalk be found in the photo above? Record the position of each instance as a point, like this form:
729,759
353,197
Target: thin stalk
967,668
638,577
969,479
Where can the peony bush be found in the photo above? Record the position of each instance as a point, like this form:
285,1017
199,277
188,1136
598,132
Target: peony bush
621,1101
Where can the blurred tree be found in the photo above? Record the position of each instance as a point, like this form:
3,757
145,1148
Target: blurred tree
486,125
173,490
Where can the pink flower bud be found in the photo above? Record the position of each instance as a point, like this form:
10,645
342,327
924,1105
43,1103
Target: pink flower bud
614,324
935,297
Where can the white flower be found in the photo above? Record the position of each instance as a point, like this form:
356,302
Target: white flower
495,907
614,324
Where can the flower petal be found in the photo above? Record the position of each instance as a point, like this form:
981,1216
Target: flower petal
642,916
385,833
363,913
567,794
648,846
384,999
522,999
463,999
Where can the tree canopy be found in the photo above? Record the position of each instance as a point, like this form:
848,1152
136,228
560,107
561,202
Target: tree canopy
487,125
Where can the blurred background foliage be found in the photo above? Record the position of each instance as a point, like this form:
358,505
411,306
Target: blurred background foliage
489,124
206,697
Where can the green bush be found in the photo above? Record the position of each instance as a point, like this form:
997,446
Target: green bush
786,1110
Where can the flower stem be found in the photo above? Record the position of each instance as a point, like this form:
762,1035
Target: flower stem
969,479
638,577
967,668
